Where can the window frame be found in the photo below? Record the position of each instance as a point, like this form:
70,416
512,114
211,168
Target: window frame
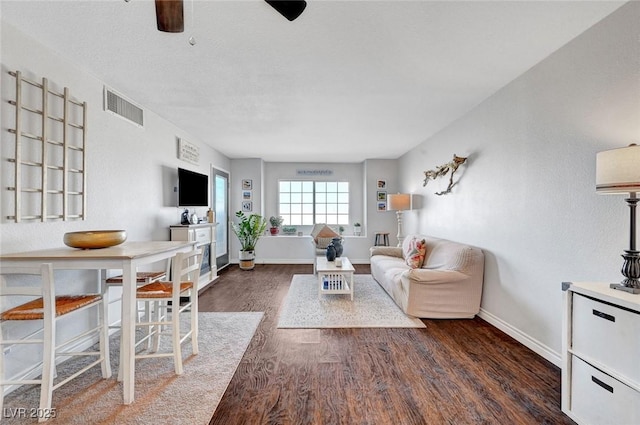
337,208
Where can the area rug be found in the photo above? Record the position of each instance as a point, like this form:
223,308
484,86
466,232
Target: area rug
161,396
371,307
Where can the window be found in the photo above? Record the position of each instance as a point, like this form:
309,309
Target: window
309,202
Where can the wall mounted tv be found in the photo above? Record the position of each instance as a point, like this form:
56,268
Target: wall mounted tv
193,189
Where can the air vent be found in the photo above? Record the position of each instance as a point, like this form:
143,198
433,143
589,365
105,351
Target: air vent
113,102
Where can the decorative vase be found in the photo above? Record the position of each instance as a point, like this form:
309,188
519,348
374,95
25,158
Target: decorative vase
331,252
274,231
247,260
337,243
184,217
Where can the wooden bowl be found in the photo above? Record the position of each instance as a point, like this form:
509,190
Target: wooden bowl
93,239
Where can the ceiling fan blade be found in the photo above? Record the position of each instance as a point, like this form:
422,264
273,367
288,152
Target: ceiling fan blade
170,15
290,9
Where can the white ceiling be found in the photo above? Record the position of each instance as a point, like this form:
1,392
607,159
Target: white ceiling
346,81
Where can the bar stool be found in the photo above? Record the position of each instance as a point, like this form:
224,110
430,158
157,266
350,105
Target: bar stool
186,272
142,278
49,308
382,239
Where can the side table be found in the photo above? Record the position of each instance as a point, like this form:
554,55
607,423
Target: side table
333,279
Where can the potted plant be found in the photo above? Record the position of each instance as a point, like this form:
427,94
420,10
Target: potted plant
276,222
289,230
357,229
248,231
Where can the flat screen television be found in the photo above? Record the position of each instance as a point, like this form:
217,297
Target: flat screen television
193,189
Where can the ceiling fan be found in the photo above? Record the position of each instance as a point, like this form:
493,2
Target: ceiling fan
170,13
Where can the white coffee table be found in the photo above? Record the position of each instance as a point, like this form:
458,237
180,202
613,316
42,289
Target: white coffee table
333,279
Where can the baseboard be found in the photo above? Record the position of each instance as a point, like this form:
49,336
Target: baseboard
284,261
296,261
526,340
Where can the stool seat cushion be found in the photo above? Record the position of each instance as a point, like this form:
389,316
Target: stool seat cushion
34,310
161,289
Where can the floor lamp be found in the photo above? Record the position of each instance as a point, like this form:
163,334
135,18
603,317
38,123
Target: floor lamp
399,202
618,172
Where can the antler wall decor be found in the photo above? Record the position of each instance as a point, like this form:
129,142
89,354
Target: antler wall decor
442,170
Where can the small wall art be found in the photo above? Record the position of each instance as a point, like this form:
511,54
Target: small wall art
246,195
382,184
247,206
188,151
381,198
247,184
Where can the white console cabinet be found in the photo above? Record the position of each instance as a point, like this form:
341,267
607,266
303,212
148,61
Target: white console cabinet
205,237
600,354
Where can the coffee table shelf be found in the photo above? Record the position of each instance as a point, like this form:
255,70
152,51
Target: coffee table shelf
333,279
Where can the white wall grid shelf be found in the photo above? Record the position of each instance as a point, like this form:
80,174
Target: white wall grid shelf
50,181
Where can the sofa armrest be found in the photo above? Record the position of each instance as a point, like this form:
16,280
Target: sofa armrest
390,251
433,276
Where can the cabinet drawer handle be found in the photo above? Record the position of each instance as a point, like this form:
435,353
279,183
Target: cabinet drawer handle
602,384
604,315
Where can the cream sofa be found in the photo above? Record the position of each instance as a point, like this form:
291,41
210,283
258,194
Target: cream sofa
447,286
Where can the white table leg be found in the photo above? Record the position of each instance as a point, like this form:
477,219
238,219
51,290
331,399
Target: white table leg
351,285
128,331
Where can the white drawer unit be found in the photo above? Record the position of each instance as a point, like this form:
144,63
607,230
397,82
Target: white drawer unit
607,335
599,399
204,236
201,235
601,355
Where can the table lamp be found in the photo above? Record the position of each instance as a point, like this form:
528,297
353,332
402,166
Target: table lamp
618,172
399,203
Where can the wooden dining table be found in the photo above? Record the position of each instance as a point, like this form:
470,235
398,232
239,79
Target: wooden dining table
127,257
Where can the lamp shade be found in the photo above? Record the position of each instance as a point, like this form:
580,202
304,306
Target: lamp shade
618,170
399,202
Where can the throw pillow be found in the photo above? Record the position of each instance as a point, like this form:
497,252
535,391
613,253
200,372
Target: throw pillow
326,232
322,243
416,252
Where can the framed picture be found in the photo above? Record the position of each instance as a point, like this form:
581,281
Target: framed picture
247,206
382,184
246,195
382,206
247,184
382,195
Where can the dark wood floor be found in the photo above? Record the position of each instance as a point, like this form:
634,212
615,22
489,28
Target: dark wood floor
452,372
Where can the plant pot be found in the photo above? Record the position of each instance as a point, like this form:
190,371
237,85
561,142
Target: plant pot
274,230
247,260
357,231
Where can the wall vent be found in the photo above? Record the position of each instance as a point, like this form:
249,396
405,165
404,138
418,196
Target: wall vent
115,103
